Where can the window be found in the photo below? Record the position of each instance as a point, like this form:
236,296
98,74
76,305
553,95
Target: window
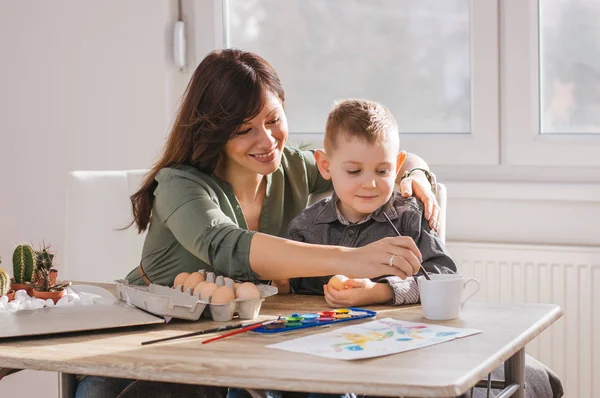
550,62
498,83
569,66
415,57
411,56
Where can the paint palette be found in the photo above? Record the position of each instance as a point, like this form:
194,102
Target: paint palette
298,321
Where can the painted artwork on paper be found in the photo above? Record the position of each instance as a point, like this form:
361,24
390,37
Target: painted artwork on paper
372,339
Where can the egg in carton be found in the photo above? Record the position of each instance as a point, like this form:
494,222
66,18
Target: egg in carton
225,297
222,301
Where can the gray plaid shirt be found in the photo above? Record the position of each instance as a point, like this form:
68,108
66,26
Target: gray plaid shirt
321,223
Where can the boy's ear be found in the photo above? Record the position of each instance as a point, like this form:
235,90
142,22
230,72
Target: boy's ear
400,160
323,164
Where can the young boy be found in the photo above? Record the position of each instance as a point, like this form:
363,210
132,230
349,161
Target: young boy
362,157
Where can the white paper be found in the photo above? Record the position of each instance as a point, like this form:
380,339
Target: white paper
373,339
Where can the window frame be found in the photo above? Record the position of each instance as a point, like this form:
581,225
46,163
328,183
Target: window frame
522,142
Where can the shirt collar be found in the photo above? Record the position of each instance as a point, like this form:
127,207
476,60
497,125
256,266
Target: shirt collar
330,213
343,220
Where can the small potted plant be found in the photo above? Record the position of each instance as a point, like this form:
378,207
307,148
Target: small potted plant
5,284
45,285
23,268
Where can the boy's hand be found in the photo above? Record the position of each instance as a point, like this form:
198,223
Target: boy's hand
282,285
359,292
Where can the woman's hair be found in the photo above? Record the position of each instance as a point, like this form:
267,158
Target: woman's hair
227,89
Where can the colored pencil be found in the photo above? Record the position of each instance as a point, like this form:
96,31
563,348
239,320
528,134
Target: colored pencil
398,233
242,330
205,331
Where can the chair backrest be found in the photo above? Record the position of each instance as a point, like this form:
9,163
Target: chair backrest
98,206
442,198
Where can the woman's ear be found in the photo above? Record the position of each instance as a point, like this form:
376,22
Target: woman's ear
323,164
400,160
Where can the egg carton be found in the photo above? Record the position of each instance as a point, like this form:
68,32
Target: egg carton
161,300
175,303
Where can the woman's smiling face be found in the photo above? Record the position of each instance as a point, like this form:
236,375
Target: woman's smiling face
258,145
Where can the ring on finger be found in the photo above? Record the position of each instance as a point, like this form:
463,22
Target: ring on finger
391,262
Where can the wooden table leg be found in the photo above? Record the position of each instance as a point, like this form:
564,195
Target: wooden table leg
514,372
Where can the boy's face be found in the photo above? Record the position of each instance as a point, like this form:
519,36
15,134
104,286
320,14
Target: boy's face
362,174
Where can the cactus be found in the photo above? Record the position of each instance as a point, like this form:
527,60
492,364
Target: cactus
43,264
4,282
23,264
44,258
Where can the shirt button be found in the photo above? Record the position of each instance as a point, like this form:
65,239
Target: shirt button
351,232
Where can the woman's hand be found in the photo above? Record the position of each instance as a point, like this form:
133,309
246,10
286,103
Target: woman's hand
418,186
359,292
396,255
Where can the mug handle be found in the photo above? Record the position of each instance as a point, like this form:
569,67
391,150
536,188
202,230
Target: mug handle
472,294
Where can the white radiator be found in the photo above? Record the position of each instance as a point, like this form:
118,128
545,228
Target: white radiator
567,276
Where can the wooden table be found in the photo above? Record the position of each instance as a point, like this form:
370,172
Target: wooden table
443,370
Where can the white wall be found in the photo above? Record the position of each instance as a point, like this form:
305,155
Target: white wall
83,86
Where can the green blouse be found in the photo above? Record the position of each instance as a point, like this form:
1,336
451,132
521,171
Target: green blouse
197,222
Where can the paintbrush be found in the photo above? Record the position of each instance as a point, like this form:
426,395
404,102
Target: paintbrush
421,269
205,331
242,330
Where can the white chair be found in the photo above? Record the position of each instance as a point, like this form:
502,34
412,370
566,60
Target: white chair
442,198
96,250
97,208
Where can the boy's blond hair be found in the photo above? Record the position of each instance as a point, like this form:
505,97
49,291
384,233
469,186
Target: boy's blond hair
358,118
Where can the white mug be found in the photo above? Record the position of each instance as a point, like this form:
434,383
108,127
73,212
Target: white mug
441,297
